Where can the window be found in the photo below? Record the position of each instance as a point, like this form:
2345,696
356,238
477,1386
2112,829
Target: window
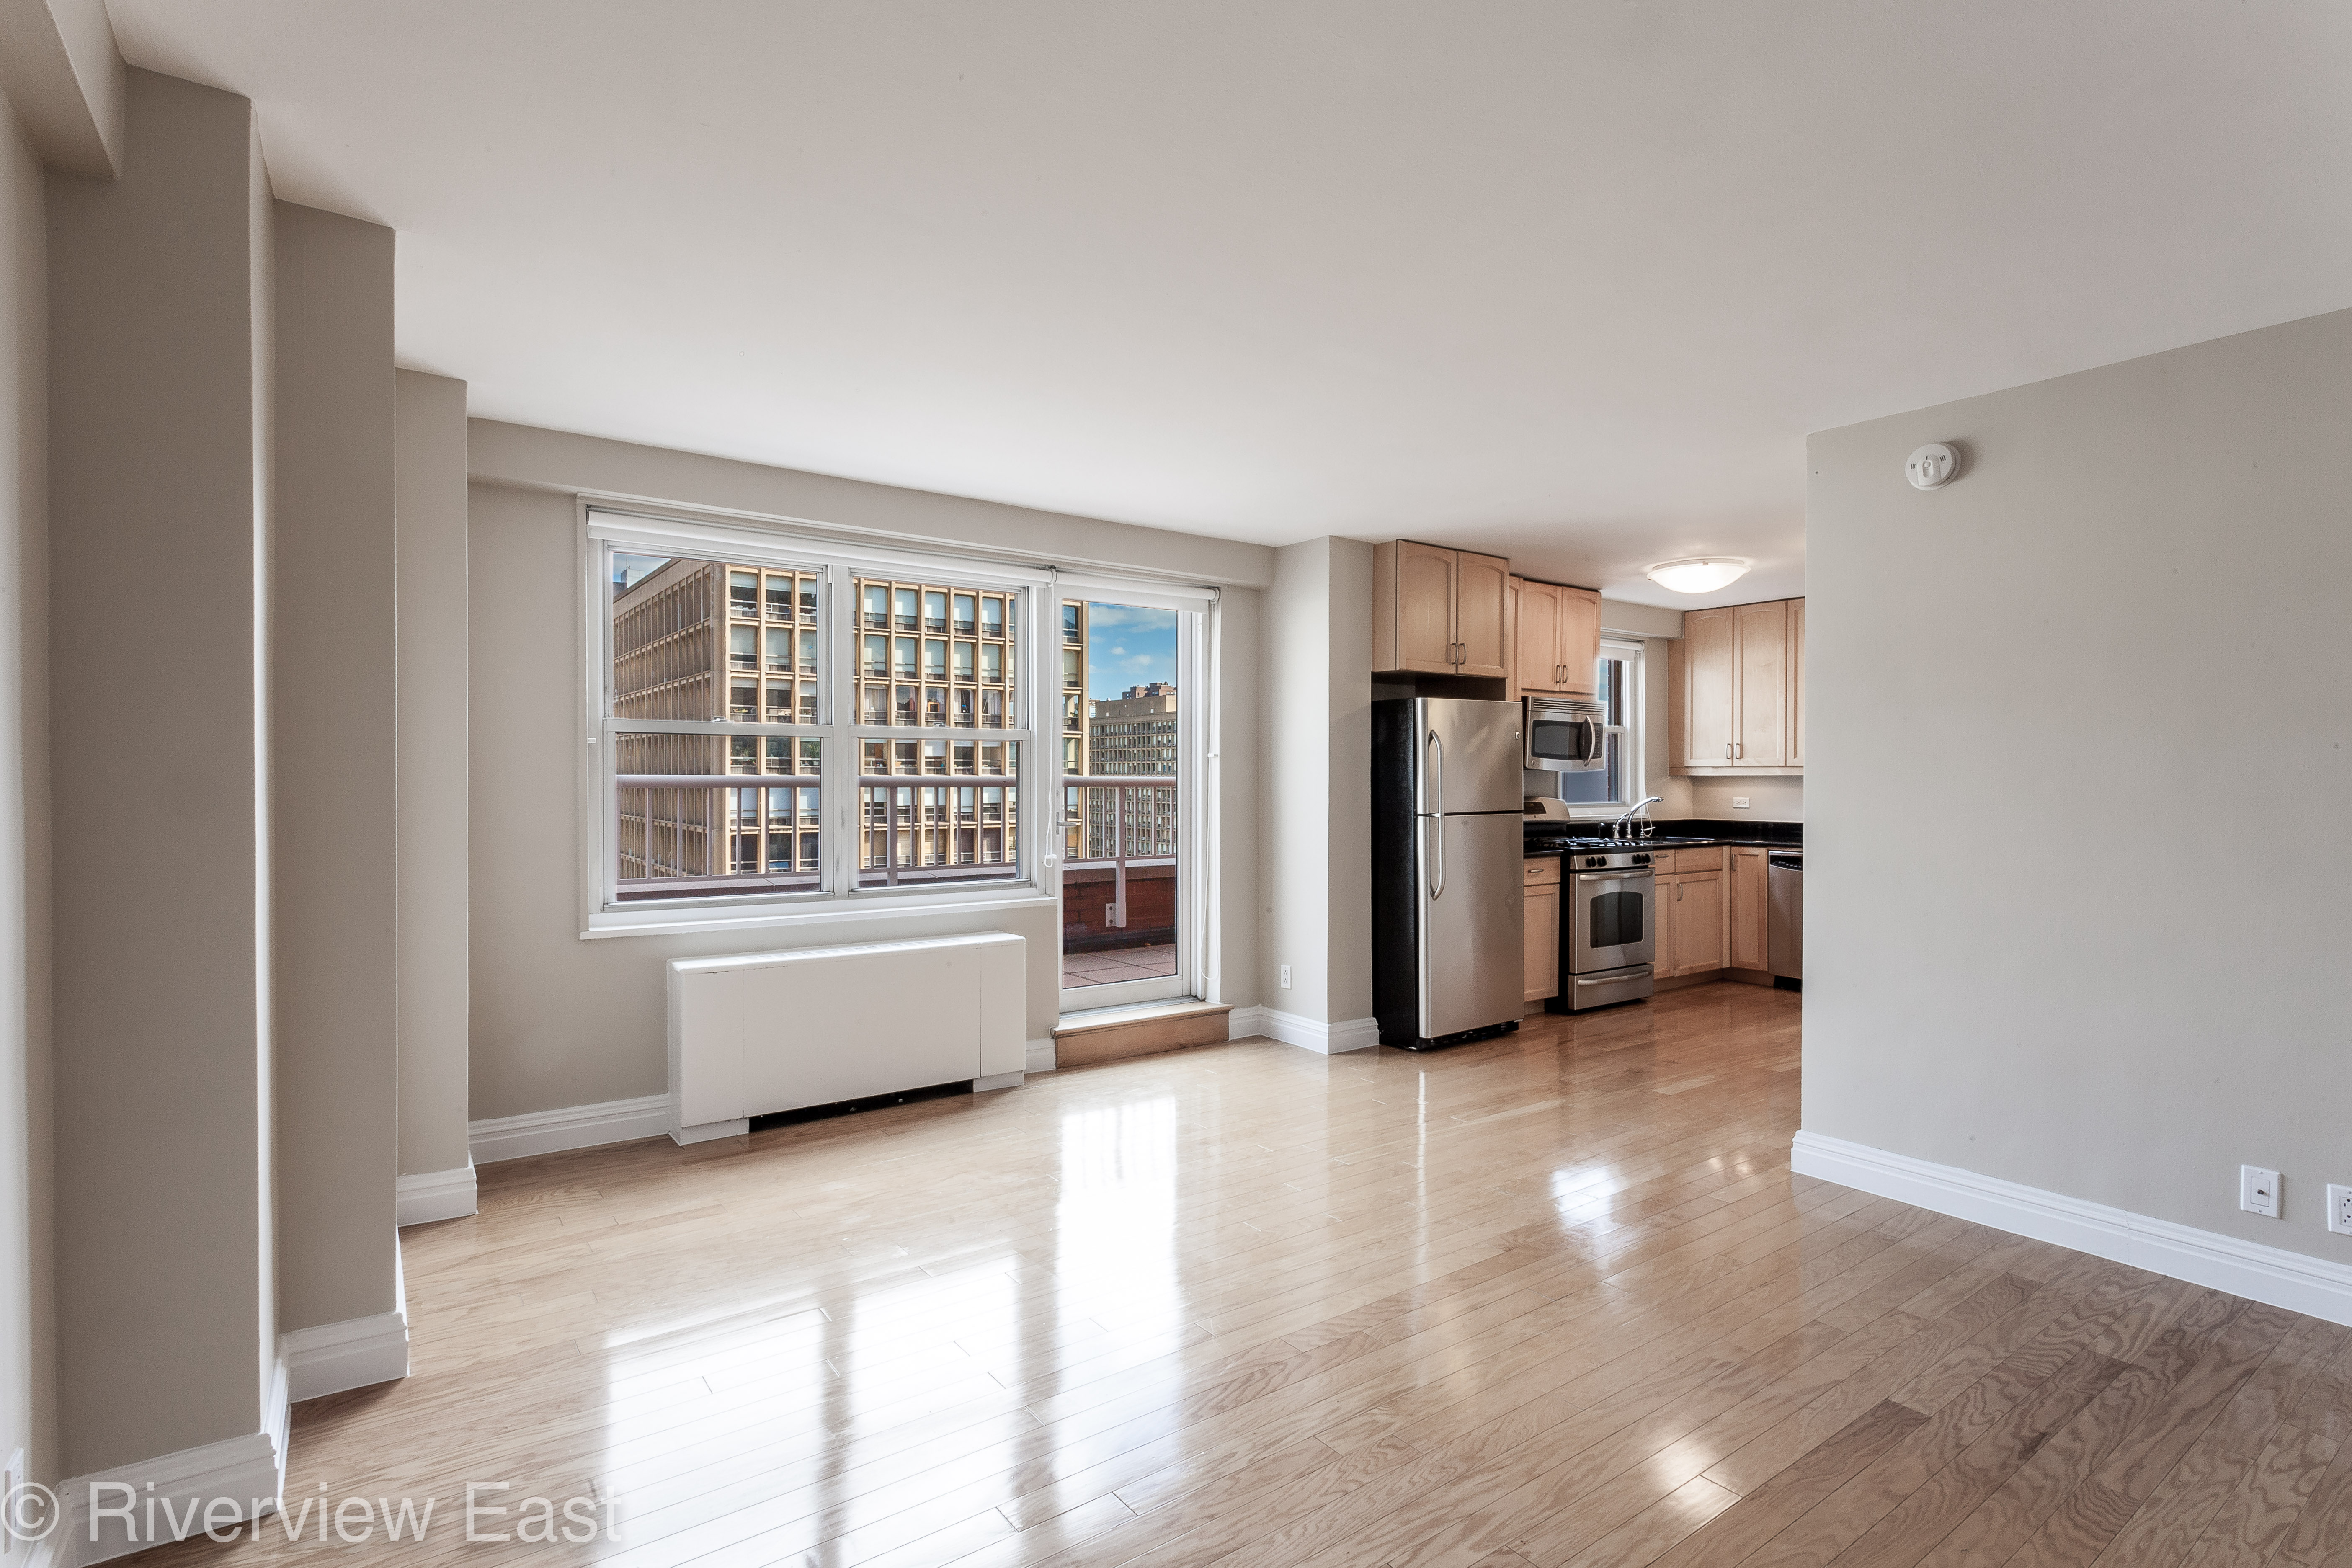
1618,782
781,720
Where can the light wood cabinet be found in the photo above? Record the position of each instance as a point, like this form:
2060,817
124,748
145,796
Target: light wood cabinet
1555,638
1736,691
1693,893
1696,916
1542,957
1749,906
1439,612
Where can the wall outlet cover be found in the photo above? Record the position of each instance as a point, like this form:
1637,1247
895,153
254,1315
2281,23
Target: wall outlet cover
2258,1191
2339,1209
1286,977
1740,803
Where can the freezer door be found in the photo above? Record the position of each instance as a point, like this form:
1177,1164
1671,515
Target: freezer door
1469,756
1472,909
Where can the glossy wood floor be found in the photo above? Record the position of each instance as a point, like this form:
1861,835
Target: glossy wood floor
1546,1300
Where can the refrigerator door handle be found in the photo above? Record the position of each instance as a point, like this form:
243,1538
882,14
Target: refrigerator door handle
1437,791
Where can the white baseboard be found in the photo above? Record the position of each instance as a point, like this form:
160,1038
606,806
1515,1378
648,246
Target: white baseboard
354,1354
2312,1286
1041,1055
574,1127
1330,1039
707,1131
250,1472
436,1194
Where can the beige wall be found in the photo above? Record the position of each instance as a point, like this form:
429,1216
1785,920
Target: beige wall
159,535
432,640
333,794
558,1021
2133,556
1315,798
28,1327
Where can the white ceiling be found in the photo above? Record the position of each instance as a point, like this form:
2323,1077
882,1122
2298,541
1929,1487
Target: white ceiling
1567,281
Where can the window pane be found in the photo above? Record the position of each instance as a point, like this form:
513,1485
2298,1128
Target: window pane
916,832
935,677
691,826
1121,876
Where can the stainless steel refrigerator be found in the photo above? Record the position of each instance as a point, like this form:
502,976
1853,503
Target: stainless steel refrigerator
1447,899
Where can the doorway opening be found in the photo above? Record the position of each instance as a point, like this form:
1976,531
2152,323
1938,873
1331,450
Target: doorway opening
1128,743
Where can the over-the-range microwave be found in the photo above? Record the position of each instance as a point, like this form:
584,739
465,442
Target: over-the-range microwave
1566,734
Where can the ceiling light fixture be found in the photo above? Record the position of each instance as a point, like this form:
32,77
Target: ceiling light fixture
1698,573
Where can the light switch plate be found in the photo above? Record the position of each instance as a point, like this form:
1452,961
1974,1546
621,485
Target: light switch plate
2258,1191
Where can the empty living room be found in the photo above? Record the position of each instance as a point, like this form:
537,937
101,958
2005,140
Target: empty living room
831,874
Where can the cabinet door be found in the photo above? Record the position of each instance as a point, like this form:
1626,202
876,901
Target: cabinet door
1710,654
1580,641
1747,908
1425,610
1698,922
1535,650
1543,942
1662,925
1481,588
1760,722
1796,683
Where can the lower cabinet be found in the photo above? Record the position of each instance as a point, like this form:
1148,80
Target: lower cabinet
1691,935
1750,910
1542,928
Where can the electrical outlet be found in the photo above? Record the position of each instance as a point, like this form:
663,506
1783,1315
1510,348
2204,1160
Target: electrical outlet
2339,1209
2258,1191
1739,801
1286,977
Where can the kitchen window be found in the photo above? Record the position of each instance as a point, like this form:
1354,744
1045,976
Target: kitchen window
780,723
1618,782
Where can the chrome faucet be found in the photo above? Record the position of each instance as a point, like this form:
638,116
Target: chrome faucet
1617,828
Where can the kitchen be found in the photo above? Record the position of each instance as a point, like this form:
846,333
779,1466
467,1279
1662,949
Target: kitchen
1516,866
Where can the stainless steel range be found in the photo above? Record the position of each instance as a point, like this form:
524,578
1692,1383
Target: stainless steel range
1609,938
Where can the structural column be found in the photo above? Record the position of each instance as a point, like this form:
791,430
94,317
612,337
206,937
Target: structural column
160,508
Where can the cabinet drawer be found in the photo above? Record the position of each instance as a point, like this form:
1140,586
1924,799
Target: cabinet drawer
1546,870
1707,859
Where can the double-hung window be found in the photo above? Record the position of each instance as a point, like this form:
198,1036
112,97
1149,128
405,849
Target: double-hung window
781,720
1618,782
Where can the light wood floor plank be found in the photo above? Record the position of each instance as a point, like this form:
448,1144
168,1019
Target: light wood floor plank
1554,1299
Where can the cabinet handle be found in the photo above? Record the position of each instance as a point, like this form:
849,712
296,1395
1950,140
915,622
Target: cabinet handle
1739,749
1727,752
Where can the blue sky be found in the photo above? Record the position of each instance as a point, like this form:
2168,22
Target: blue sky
1127,647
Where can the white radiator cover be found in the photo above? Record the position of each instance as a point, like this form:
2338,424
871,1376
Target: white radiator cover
761,1032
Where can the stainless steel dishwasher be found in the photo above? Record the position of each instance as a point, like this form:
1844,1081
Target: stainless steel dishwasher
1784,893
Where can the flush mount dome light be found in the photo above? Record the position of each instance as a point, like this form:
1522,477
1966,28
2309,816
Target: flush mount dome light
1699,574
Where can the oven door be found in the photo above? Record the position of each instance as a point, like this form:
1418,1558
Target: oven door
1612,915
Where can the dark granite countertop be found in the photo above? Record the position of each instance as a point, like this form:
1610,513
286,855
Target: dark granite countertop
1546,836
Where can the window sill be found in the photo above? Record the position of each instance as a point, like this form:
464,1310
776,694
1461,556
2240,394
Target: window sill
647,923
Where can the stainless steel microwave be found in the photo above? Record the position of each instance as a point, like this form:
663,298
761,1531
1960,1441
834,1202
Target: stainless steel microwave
1566,734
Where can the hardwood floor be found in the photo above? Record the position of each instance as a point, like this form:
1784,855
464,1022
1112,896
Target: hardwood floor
1551,1299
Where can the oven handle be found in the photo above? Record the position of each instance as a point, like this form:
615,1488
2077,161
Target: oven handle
1611,979
1613,875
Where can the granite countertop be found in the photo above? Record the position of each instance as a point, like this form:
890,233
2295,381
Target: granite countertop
1544,835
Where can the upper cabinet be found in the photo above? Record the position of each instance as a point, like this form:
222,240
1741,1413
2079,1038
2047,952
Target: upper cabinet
1738,690
1439,612
1555,639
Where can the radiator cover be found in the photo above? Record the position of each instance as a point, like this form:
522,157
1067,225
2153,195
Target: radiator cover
761,1032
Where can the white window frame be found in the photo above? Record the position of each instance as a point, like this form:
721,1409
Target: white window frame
1633,745
1196,819
604,527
